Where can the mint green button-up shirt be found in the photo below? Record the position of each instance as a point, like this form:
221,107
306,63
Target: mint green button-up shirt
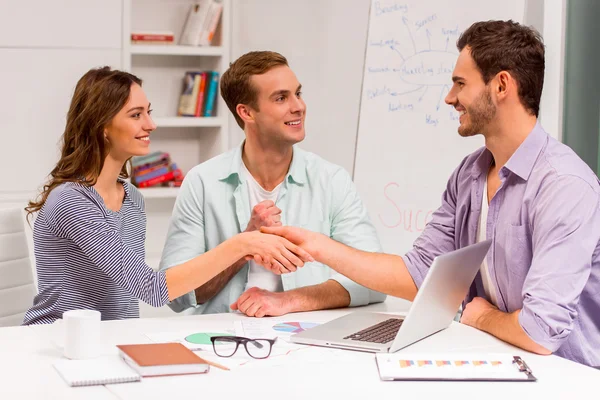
213,205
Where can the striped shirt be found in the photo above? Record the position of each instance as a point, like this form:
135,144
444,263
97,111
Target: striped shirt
90,257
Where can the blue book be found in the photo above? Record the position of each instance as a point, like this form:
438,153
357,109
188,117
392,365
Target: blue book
212,86
150,175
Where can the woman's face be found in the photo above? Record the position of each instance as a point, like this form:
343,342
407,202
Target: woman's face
129,131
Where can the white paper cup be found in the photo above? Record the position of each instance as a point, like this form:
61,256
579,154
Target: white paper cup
82,334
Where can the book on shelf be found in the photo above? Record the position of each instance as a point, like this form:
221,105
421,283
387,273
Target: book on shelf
189,94
150,170
200,97
162,359
212,86
153,37
152,160
211,24
201,23
174,175
153,173
194,24
199,93
155,169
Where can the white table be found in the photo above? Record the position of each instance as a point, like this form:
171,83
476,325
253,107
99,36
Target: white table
28,353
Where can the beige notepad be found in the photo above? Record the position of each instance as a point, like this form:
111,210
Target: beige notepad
96,371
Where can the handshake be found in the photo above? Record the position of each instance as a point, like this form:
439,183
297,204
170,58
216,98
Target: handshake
279,249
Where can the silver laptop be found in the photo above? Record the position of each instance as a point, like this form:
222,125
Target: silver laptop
433,309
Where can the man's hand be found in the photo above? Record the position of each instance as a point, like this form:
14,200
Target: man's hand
482,315
303,238
264,213
477,309
273,252
259,303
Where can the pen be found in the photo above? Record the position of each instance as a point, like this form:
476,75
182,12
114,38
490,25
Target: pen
214,364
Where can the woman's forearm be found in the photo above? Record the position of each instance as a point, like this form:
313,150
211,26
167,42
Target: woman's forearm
186,277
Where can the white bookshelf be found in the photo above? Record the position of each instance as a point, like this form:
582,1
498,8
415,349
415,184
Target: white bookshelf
174,50
159,193
188,122
188,140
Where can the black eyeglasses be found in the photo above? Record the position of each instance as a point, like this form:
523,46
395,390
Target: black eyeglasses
226,346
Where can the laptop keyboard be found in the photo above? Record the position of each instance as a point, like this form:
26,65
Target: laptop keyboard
382,332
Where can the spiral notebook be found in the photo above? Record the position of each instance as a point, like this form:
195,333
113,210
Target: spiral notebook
97,371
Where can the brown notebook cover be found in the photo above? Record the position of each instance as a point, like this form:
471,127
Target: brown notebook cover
155,359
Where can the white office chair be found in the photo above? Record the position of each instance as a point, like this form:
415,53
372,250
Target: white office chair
17,287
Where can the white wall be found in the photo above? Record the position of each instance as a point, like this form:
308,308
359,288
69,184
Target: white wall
324,42
45,47
549,18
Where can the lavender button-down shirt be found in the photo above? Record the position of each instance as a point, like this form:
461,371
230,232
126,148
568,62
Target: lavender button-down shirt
545,225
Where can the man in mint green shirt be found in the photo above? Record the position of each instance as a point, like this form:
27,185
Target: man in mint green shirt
267,181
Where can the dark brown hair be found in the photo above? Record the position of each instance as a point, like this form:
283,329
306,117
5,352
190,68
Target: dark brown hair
99,95
508,46
235,82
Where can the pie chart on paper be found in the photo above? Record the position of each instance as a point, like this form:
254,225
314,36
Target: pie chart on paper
294,327
203,337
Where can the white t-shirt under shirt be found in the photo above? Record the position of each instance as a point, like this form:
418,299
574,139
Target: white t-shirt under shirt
488,285
258,276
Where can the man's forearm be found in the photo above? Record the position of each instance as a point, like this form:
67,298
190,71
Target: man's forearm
329,294
385,273
506,327
216,284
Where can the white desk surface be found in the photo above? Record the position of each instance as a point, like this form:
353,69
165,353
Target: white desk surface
27,355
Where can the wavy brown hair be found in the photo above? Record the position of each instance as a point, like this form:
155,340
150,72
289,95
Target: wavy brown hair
99,95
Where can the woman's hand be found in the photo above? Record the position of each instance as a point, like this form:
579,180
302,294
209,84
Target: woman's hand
310,241
273,252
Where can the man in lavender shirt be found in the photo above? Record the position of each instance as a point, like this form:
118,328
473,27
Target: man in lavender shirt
539,287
